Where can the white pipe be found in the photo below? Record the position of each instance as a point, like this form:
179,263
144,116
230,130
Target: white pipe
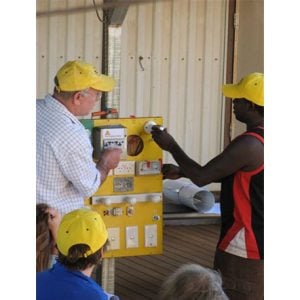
184,192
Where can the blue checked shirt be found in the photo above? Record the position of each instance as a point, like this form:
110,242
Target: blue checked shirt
66,172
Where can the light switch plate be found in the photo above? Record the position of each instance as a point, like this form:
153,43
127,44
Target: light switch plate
132,240
114,238
151,235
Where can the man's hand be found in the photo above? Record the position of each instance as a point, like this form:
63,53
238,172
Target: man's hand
170,171
109,159
163,138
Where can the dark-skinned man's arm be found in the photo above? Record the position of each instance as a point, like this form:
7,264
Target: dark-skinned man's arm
244,153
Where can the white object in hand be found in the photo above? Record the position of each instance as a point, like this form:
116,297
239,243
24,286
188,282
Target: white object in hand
148,126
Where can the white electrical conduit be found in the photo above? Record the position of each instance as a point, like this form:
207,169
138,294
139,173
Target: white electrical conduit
183,192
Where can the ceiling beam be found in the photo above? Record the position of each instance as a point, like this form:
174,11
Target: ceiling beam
106,5
116,14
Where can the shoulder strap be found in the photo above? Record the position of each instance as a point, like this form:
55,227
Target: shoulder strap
256,135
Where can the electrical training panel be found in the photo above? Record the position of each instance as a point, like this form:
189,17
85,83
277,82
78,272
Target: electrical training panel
130,199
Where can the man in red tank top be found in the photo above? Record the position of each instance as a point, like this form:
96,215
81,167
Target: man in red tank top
240,169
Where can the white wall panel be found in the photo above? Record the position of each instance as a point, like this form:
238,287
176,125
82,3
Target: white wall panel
65,36
182,43
160,68
42,50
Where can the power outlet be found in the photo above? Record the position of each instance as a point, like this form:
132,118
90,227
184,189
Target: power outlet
132,240
125,168
114,238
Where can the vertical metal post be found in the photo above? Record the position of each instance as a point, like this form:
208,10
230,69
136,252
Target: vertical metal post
104,60
114,65
108,275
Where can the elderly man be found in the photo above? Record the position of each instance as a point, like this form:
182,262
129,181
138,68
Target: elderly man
66,172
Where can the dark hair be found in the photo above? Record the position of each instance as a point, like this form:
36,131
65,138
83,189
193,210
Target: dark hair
44,240
76,260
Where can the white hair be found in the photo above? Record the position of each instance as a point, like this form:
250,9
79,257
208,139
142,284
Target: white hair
193,282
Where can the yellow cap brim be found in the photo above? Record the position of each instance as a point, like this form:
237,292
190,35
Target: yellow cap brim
103,83
231,91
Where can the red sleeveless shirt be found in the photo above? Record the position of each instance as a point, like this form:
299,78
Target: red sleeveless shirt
242,210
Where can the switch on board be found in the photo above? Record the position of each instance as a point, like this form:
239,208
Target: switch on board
151,235
114,238
132,240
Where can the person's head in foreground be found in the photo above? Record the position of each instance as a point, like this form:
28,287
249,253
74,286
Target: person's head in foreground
193,282
81,237
47,221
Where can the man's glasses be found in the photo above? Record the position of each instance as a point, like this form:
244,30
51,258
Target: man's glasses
87,93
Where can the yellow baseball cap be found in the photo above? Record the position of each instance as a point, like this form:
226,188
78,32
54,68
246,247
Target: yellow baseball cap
81,226
250,87
79,75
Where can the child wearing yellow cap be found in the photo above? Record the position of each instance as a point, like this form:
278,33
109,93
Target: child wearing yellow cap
81,239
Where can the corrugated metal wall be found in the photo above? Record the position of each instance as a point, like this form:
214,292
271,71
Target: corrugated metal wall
62,37
182,46
172,63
